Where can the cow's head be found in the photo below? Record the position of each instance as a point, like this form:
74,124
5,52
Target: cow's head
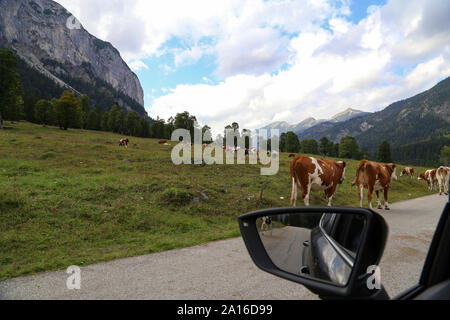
392,168
422,177
342,165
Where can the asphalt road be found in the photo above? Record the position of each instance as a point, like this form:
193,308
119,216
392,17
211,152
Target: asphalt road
224,270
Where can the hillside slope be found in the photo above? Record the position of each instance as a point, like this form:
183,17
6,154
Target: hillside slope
424,116
37,31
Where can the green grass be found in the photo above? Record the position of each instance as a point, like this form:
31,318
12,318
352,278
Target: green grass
76,198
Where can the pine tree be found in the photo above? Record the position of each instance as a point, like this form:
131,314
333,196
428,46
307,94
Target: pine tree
324,146
43,111
384,152
10,88
69,111
292,143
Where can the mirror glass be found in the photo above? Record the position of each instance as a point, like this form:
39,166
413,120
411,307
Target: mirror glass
320,246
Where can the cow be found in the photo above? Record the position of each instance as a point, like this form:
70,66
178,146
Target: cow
376,177
311,174
292,155
430,177
124,143
162,142
266,224
442,176
408,171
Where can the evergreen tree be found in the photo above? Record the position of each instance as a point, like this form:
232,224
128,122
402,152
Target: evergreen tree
10,88
84,102
324,147
169,128
145,128
133,124
309,146
69,111
292,142
93,120
349,149
43,112
157,129
104,122
283,142
384,152
445,155
114,119
336,147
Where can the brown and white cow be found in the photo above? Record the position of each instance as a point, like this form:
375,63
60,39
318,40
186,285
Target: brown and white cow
408,171
311,174
442,176
124,142
376,177
430,177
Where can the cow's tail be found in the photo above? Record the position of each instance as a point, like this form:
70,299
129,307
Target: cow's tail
293,172
360,168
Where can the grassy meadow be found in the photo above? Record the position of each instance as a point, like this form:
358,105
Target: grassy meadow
75,198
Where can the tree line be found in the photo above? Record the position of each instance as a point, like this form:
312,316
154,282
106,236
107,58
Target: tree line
70,111
347,148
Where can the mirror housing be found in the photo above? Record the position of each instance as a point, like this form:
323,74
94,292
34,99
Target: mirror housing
373,241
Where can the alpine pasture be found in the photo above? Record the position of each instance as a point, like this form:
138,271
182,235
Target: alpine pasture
76,198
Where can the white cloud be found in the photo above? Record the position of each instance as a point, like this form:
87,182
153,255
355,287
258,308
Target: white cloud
350,66
324,70
137,65
191,55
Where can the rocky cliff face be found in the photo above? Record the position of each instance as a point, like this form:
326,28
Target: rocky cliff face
47,37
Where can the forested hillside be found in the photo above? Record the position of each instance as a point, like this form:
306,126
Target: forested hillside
423,119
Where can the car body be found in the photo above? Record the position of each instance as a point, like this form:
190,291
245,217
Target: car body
341,250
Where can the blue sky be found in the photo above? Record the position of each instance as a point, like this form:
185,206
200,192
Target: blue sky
261,61
162,74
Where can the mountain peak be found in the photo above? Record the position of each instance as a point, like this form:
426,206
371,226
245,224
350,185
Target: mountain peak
62,50
284,127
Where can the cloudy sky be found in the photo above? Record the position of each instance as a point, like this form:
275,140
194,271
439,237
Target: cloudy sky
260,61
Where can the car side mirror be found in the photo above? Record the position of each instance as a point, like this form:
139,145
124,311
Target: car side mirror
334,252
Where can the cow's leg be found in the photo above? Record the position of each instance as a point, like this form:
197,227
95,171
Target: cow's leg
361,194
329,197
294,193
378,200
386,198
330,193
329,201
307,192
369,195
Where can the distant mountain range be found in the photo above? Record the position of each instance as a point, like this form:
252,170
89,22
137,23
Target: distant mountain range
56,52
424,117
285,127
